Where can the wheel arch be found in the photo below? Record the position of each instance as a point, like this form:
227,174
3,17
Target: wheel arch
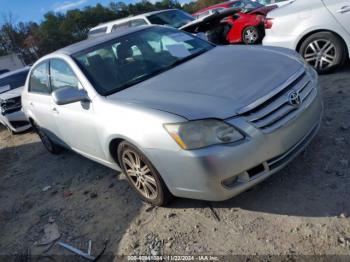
114,143
113,148
300,42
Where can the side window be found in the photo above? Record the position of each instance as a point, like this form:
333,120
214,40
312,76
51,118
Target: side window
39,79
97,32
206,13
120,26
137,22
61,75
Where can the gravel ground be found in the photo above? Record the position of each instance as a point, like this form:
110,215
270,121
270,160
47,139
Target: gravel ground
302,210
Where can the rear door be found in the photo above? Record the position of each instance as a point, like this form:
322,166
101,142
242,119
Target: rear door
341,11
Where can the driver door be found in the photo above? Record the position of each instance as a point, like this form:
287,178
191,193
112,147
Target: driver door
74,121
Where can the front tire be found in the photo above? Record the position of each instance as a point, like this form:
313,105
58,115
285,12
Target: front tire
251,35
50,146
142,175
324,51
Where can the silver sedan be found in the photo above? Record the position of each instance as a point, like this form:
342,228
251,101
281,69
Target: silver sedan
178,115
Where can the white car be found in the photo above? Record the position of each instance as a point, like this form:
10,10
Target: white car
171,17
11,86
318,29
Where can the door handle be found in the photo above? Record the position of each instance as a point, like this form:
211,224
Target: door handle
31,104
344,9
55,110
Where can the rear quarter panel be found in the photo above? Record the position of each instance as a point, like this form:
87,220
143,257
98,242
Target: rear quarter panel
301,18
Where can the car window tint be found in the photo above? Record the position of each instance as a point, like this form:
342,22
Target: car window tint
137,22
126,60
173,18
62,75
120,26
97,32
161,44
39,80
15,80
206,13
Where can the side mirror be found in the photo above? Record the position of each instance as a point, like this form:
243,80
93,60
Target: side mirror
68,95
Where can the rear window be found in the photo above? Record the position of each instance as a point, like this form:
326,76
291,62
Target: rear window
13,81
97,32
173,18
246,5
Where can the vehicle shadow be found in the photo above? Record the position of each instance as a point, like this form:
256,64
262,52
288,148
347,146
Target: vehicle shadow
86,200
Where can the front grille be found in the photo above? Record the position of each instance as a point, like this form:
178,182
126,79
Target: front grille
275,111
10,105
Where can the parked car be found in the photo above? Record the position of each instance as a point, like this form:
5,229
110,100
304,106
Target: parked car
247,26
318,29
279,3
11,86
210,27
177,114
170,17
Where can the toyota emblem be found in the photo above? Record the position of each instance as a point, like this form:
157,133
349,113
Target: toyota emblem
294,99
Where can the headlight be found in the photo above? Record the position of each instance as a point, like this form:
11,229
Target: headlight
202,133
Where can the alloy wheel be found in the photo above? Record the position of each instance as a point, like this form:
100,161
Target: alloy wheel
251,35
140,174
320,54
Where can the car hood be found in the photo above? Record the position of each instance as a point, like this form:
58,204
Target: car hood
11,93
215,84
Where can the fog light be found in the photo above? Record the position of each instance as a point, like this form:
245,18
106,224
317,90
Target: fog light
230,182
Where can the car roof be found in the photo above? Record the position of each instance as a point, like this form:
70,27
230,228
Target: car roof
129,18
13,72
91,42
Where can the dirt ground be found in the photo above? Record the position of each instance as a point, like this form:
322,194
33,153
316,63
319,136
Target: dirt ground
302,210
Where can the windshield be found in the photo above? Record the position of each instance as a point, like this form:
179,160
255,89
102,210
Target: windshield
173,18
125,61
13,81
246,5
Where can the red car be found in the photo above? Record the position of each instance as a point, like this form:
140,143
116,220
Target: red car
246,26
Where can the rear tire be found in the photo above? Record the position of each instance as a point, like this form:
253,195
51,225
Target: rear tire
142,175
324,51
251,35
50,146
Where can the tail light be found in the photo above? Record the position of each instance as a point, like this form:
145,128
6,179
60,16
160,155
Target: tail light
268,23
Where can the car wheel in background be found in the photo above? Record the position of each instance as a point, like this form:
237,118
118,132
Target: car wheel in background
251,35
142,176
324,51
52,147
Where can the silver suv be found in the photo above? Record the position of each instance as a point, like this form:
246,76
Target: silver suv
178,115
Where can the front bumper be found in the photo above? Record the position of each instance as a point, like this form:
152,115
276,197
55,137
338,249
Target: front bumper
16,121
200,174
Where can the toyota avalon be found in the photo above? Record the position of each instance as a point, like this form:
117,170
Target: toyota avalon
178,115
